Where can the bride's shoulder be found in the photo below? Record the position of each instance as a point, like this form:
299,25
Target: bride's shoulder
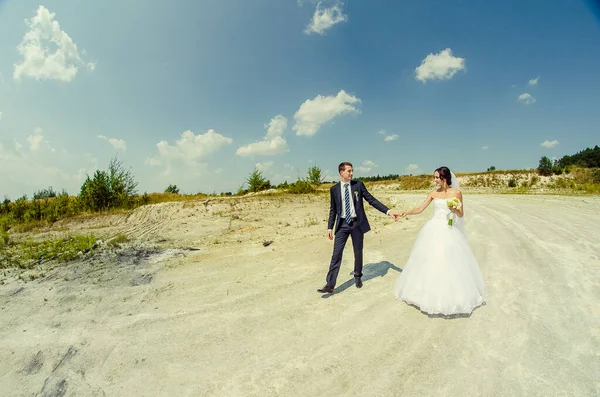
456,192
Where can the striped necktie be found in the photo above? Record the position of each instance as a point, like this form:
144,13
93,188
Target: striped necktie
347,202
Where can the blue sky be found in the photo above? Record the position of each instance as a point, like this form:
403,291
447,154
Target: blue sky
198,93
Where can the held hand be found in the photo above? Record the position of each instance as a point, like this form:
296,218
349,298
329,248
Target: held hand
330,234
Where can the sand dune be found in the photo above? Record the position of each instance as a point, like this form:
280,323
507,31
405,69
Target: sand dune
196,305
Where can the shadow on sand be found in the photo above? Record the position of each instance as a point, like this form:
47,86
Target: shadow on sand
380,269
370,271
445,316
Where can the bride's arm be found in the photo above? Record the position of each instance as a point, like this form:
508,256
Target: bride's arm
460,212
420,209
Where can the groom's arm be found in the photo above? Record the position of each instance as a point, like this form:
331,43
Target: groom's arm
372,200
332,210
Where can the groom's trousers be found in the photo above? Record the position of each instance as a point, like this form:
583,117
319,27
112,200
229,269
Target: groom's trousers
341,237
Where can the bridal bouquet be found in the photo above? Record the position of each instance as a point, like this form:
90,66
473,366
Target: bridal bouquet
453,202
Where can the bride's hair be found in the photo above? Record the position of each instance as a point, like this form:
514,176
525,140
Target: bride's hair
445,174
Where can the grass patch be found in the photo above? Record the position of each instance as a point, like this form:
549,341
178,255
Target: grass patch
417,182
26,254
119,239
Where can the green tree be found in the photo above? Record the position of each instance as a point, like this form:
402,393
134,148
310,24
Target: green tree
588,158
315,175
95,192
545,166
113,188
557,169
257,182
122,185
172,189
492,168
44,193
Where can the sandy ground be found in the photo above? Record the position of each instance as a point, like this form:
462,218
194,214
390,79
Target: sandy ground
197,306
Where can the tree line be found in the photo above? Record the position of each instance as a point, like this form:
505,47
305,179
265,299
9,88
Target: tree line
107,189
588,158
116,187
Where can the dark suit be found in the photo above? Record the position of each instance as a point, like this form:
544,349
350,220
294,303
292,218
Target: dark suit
357,227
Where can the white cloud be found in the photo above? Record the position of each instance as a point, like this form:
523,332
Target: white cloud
188,151
272,144
369,163
366,166
37,142
413,169
276,146
26,171
18,148
325,17
38,61
276,126
549,144
533,82
440,66
263,166
153,161
313,113
116,143
219,171
485,147
388,138
526,98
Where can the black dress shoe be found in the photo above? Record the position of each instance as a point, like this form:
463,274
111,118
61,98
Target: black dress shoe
358,282
326,290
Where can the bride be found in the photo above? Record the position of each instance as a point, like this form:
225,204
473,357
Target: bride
442,275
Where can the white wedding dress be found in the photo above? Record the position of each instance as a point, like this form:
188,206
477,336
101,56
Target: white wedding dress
441,275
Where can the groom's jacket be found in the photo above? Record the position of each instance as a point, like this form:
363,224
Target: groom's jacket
358,191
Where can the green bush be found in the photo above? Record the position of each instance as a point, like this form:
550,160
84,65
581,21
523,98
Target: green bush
534,179
301,186
315,175
114,188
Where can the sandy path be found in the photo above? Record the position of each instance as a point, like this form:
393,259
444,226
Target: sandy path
239,319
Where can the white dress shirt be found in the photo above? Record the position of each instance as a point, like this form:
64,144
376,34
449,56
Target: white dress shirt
352,210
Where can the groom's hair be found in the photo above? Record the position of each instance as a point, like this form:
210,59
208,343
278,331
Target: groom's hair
343,165
445,174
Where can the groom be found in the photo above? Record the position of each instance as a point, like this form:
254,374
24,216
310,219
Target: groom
347,211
